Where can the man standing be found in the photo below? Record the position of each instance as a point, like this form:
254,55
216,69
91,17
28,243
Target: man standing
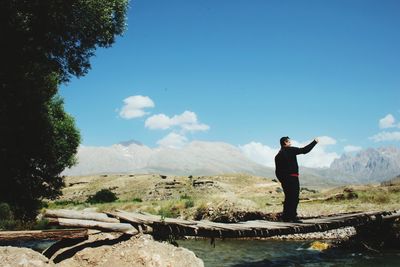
287,172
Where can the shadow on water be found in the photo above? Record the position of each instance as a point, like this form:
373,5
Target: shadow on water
37,245
333,258
305,259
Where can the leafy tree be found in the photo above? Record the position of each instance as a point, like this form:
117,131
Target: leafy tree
44,43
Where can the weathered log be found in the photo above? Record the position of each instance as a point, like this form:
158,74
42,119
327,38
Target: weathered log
46,234
262,228
125,228
80,215
146,218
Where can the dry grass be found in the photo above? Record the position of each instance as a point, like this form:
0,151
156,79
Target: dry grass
151,193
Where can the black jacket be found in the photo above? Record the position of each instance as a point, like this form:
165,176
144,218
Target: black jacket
286,161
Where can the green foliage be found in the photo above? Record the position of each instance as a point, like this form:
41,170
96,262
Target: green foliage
185,196
136,199
394,189
58,36
102,196
34,172
377,197
168,212
45,43
8,222
8,225
171,209
64,203
5,211
189,203
201,212
41,225
6,217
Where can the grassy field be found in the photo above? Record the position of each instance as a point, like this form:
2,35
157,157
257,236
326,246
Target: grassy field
213,196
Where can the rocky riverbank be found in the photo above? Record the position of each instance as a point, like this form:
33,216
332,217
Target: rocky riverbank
335,234
140,251
22,257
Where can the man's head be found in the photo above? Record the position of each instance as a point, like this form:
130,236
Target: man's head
285,141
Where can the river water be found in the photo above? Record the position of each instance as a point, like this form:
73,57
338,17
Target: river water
240,253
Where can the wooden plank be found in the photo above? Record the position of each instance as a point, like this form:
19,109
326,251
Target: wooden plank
138,218
45,234
80,215
172,220
393,215
114,227
149,219
257,228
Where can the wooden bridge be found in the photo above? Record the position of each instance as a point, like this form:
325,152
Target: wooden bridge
256,228
132,223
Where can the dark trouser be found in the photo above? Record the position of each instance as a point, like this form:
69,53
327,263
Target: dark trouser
291,188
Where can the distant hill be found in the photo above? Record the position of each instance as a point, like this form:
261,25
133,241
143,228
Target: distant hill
393,181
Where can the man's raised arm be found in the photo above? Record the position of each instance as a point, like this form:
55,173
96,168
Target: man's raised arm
307,148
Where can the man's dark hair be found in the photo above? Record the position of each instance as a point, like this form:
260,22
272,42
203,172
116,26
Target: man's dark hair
283,140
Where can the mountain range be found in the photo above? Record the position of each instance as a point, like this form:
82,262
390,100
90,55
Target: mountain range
196,158
213,158
367,166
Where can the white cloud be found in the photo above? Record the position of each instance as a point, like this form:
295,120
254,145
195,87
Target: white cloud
159,121
351,148
326,140
387,122
319,157
260,153
187,122
386,136
187,117
134,106
197,127
173,140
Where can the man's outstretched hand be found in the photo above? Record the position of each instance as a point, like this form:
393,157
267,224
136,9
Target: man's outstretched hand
316,139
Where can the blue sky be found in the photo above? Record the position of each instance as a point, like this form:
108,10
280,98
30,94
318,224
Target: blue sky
246,73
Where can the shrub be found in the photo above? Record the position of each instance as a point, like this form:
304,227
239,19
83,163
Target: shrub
168,212
8,225
5,212
185,196
136,199
42,224
375,197
189,203
201,212
66,203
102,196
171,210
381,198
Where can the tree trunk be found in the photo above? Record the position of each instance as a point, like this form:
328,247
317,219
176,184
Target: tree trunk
114,227
73,214
47,234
